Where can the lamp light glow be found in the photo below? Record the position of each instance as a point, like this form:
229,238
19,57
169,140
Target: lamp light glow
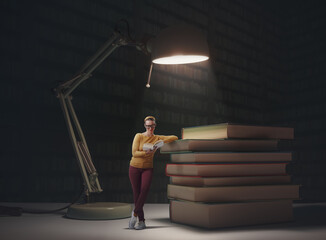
180,44
180,59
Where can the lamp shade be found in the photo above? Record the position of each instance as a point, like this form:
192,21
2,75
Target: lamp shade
179,45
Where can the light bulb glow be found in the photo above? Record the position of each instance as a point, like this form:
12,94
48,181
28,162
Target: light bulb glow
180,59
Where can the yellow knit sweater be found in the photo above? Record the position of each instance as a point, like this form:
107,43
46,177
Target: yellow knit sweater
139,157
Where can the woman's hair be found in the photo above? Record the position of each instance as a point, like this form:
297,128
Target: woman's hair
149,118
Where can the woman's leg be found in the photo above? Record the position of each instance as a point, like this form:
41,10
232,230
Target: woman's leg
135,180
146,180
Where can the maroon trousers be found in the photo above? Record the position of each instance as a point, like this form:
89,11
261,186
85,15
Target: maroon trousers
141,180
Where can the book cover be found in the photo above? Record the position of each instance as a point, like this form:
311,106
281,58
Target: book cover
219,215
213,145
229,181
207,157
229,130
226,170
233,193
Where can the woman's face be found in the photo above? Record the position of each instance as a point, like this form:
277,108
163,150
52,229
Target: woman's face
150,126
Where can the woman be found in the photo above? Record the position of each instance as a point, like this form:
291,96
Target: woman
141,169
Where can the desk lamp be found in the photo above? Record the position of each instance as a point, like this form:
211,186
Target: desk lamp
174,45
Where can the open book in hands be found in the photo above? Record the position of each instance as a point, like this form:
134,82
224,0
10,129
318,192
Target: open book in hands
151,147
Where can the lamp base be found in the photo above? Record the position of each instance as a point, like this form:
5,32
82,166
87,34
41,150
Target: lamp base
99,211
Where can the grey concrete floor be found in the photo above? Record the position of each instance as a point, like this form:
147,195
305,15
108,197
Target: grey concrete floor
309,224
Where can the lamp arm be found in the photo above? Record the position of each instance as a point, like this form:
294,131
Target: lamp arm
72,135
64,91
93,63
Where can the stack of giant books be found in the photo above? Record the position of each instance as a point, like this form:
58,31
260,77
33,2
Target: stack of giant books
226,175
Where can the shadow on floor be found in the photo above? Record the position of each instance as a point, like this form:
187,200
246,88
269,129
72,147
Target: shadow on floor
150,227
308,217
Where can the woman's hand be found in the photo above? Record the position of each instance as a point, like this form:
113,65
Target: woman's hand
151,151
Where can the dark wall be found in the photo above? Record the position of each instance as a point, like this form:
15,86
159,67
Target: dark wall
305,108
255,64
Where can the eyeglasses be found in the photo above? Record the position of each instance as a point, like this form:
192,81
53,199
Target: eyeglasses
150,126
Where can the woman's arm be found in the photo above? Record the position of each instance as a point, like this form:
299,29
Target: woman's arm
135,147
167,139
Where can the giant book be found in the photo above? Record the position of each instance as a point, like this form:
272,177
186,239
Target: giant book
207,157
229,130
229,181
219,215
233,193
213,145
226,170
